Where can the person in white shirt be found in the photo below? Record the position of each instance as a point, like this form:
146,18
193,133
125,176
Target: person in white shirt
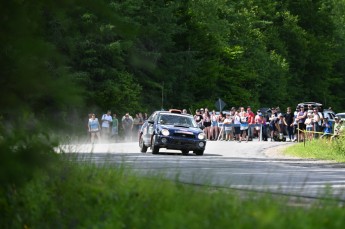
237,122
106,124
227,128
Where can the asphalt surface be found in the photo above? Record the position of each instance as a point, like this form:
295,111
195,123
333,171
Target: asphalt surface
240,166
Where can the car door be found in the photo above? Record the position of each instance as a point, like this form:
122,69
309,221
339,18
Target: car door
148,128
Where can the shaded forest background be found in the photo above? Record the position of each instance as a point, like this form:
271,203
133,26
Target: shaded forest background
63,60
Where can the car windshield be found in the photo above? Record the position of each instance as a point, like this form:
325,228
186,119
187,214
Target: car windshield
176,120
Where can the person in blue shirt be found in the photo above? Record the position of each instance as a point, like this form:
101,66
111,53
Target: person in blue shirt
327,128
94,128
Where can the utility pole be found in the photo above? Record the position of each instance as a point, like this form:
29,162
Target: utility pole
162,96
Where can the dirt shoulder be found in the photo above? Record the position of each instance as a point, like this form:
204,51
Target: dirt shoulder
278,152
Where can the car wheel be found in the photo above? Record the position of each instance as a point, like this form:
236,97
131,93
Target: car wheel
185,152
143,147
155,149
199,152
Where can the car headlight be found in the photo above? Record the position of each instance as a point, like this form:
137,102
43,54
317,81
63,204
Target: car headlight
201,136
165,132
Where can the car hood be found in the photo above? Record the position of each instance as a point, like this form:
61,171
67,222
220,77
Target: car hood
182,129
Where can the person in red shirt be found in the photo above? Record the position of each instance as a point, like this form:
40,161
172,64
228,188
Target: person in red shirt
251,120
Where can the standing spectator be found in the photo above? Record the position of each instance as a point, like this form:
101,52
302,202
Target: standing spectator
295,124
145,117
244,125
338,128
251,120
94,128
106,123
310,109
127,125
198,117
221,131
309,126
141,121
289,119
202,111
321,119
301,116
327,128
214,125
115,128
281,124
316,122
184,111
259,120
227,128
273,120
232,116
207,124
237,122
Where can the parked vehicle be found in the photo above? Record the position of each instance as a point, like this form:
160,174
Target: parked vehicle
266,112
172,130
329,114
313,104
325,112
341,116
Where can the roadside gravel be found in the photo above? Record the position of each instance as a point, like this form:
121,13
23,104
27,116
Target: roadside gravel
278,152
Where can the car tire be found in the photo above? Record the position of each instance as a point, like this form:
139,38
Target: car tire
185,152
155,149
199,152
143,147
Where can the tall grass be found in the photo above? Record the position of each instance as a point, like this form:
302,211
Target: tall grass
324,149
40,189
89,196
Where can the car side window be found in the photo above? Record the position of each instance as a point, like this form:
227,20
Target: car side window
152,117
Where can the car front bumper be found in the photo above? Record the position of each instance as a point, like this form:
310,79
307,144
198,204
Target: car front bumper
169,142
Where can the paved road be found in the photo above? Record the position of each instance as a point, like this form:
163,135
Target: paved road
228,164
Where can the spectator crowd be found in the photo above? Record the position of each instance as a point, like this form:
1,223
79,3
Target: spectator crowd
108,128
241,125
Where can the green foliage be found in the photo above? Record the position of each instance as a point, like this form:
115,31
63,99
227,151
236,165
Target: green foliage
34,76
243,52
25,150
324,149
79,196
247,53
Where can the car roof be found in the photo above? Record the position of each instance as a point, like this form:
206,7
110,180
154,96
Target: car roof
173,113
310,103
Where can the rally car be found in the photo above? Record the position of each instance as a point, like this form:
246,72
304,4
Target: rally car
172,130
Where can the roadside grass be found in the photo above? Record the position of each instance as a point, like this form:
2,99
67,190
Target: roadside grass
324,149
75,195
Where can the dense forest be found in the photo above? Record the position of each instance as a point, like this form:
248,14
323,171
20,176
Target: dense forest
68,58
61,60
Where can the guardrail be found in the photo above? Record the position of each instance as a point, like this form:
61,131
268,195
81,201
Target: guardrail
222,126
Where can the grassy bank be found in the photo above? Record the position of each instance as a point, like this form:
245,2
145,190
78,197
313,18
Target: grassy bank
320,149
86,196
